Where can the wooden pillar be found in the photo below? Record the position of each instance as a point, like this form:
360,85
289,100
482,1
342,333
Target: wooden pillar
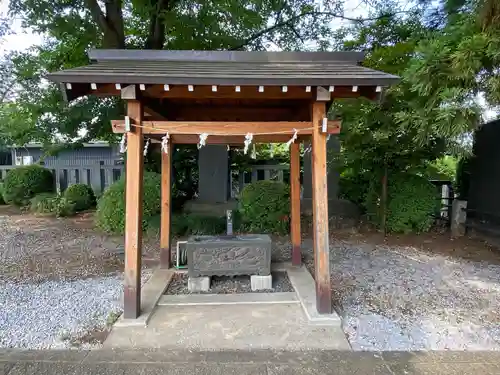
320,211
166,207
133,213
295,202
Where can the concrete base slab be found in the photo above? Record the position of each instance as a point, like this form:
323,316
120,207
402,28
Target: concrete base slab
227,299
150,294
304,286
258,282
199,284
236,327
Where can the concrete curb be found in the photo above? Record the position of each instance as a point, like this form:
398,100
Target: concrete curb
304,286
151,293
228,299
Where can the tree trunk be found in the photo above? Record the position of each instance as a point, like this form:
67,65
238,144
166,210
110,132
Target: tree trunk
110,23
114,36
157,32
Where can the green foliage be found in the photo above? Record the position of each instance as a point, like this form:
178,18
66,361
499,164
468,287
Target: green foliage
110,215
463,177
185,168
64,207
71,28
81,195
44,203
23,183
197,224
265,207
1,194
412,202
353,187
444,168
48,203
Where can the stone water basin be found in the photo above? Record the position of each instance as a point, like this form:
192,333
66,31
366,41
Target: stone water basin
228,255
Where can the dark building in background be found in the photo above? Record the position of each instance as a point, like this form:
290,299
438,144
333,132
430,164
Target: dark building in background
97,164
483,197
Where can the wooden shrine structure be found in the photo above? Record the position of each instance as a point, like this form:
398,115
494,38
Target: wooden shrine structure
226,98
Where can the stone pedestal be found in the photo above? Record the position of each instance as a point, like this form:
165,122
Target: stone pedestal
199,284
261,282
458,217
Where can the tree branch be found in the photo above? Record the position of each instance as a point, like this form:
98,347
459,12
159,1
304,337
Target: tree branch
97,14
7,91
289,21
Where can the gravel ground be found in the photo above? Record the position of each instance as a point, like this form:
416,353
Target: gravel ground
229,285
60,281
402,298
56,314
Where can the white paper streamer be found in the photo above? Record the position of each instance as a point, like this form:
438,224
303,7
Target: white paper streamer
254,152
203,140
164,143
294,137
123,144
328,137
146,146
228,148
247,142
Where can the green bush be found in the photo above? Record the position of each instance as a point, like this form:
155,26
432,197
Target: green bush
23,183
353,187
110,215
1,194
64,207
197,224
412,201
81,195
48,203
44,203
265,207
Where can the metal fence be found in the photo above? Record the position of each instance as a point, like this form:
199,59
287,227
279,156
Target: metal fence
97,177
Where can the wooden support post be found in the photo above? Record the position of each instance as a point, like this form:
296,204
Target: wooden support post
295,202
133,214
320,212
166,207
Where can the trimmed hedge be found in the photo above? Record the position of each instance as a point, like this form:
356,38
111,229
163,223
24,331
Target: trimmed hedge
110,215
23,183
44,203
48,203
81,195
412,202
265,207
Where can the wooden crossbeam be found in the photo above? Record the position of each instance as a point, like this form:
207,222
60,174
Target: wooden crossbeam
234,140
225,128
